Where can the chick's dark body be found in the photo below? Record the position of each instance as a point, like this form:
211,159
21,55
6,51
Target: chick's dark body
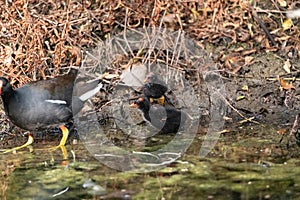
166,119
154,86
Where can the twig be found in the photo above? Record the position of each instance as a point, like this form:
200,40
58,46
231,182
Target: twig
263,26
286,79
233,108
293,131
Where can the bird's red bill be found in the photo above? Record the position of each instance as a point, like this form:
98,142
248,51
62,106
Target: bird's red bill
133,105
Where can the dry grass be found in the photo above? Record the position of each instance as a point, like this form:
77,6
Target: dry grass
38,39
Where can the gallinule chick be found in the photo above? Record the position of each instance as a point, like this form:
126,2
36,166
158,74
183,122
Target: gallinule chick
154,89
45,104
166,119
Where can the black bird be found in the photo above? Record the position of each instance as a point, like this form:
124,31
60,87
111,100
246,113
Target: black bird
166,119
154,89
44,104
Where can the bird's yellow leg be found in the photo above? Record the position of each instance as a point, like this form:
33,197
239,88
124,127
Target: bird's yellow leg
29,142
65,134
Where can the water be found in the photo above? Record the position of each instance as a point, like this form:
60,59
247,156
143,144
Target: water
247,163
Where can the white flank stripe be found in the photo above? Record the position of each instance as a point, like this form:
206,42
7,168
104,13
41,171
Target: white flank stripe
56,101
90,93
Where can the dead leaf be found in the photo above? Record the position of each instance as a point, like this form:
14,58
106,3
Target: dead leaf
287,24
282,3
8,58
283,38
248,59
170,18
250,27
196,13
240,97
110,76
233,59
281,131
285,85
75,52
247,52
287,66
245,88
239,49
275,31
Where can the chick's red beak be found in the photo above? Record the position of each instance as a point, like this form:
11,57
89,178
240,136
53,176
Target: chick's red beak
133,105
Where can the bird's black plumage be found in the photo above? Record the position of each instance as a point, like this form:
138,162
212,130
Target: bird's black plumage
166,119
41,104
154,87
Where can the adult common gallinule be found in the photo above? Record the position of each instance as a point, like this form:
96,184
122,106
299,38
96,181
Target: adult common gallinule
166,119
45,104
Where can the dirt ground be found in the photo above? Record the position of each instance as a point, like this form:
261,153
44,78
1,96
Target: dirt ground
260,68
